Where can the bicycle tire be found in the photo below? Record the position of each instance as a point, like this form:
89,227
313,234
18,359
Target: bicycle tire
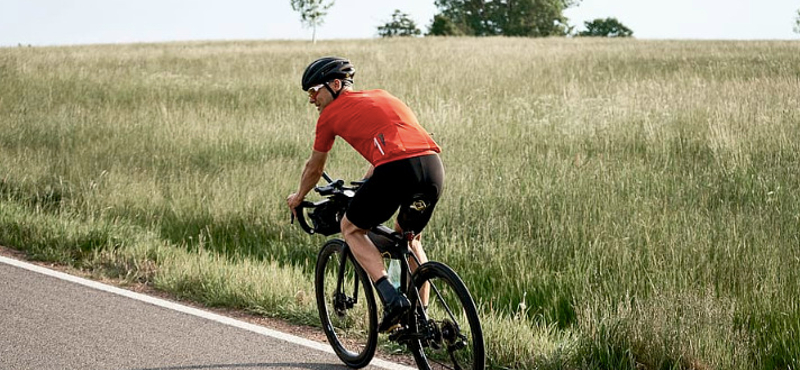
447,290
352,331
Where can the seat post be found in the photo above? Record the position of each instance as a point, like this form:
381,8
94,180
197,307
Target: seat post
409,237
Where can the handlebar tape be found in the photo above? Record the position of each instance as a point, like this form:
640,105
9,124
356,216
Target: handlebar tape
301,216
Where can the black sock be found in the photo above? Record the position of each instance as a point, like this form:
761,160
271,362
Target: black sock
385,290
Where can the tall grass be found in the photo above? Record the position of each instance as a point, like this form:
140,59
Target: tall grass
610,203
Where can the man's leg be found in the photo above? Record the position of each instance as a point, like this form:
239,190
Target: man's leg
363,249
395,304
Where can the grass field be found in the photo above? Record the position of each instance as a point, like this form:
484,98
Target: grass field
612,204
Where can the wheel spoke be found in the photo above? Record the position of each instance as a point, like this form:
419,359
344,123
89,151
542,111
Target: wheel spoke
444,303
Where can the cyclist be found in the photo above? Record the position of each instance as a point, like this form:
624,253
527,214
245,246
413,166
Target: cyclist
405,170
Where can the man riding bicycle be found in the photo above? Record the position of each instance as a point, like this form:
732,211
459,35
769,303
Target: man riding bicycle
405,171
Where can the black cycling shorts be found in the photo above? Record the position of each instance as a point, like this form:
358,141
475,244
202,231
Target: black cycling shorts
413,185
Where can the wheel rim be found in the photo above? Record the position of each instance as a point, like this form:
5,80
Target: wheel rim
346,318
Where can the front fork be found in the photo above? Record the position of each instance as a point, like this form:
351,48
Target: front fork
341,302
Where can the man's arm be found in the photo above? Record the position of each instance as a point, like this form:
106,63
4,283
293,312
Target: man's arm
369,172
312,172
311,175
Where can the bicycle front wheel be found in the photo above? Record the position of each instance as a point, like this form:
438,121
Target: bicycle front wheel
451,334
346,305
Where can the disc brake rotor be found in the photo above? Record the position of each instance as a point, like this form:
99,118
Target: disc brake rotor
452,336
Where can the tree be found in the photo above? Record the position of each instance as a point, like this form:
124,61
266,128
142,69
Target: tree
503,17
609,27
400,25
312,13
534,18
470,17
797,22
443,26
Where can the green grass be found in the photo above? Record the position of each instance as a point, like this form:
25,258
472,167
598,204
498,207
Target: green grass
610,203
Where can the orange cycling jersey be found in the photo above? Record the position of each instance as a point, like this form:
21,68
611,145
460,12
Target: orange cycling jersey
376,124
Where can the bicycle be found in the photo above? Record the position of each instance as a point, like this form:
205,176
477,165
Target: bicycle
446,334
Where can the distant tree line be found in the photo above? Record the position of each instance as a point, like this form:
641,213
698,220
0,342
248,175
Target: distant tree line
525,18
609,27
501,17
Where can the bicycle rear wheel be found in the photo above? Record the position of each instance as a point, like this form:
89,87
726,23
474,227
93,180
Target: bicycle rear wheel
346,304
452,334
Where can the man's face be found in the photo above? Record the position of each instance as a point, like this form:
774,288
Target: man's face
320,96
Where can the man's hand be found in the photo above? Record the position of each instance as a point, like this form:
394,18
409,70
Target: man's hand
293,201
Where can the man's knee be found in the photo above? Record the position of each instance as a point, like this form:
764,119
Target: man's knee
349,228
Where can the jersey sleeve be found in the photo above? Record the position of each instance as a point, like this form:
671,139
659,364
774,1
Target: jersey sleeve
323,141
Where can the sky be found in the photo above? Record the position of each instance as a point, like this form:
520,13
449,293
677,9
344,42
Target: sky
70,22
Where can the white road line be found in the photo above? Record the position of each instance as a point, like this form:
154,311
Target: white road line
190,310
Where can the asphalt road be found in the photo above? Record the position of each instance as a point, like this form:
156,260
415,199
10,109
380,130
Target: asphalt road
47,322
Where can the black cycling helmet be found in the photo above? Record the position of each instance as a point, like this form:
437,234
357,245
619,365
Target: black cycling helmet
326,69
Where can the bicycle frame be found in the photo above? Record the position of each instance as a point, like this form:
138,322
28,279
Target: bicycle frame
399,247
392,246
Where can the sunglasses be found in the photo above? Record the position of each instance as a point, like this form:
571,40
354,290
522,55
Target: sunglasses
314,91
